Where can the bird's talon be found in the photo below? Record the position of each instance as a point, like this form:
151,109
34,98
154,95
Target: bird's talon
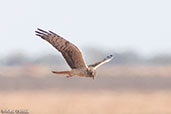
68,76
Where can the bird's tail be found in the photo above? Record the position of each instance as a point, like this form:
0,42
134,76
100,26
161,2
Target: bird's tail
62,72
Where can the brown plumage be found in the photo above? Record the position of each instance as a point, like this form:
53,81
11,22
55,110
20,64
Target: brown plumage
71,54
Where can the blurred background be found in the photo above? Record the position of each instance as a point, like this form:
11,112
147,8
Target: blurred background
137,33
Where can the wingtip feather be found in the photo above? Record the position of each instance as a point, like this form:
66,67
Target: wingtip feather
110,56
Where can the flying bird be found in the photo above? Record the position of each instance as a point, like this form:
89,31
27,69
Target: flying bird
72,55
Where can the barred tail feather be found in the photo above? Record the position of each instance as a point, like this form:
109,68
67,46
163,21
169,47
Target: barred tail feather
61,72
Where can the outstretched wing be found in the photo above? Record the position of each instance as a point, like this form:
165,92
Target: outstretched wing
105,60
69,51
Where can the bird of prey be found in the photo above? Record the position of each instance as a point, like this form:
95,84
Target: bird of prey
72,55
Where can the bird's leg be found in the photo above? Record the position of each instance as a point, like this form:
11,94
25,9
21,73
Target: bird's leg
69,74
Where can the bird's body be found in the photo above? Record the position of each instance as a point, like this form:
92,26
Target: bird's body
82,72
72,56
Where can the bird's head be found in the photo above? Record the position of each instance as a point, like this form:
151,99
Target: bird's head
91,73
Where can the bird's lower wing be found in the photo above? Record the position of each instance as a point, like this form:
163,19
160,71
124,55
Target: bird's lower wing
98,64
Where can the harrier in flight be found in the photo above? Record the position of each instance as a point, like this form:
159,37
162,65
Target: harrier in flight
72,56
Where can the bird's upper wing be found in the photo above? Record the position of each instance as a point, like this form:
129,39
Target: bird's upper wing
69,51
105,60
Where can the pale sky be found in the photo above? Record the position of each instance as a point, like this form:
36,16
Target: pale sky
142,25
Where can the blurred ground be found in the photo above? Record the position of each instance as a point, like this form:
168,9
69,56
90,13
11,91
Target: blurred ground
118,89
87,102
